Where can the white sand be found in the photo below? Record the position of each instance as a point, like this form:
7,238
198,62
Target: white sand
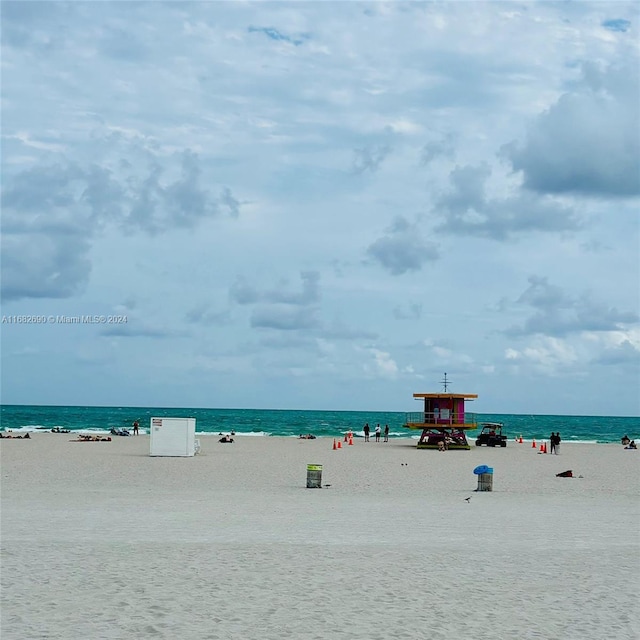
99,540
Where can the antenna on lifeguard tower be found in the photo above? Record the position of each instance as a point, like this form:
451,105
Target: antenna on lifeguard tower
445,383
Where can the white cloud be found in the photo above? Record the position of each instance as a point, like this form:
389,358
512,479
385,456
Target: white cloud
382,365
403,248
587,142
550,354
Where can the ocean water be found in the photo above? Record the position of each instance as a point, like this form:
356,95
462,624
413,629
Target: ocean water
264,422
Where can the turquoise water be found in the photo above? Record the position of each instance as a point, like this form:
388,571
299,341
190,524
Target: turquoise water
261,422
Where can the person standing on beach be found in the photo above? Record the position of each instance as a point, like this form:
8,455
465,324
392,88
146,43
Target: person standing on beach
552,442
386,433
366,432
557,447
378,433
135,428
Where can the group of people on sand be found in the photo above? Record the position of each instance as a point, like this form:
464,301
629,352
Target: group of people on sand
554,441
627,443
83,437
377,432
309,436
227,439
10,435
116,431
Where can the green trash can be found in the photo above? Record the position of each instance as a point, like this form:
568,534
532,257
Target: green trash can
314,476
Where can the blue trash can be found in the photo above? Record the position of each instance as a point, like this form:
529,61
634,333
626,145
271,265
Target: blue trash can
485,477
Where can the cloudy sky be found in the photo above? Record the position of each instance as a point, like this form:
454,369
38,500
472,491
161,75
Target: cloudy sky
321,205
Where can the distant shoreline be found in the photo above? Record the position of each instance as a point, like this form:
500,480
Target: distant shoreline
526,443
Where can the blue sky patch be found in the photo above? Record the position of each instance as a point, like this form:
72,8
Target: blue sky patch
617,24
274,34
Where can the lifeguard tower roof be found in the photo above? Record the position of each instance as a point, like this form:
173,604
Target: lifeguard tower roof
469,396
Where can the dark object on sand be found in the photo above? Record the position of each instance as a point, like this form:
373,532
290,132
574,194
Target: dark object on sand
491,435
565,474
119,432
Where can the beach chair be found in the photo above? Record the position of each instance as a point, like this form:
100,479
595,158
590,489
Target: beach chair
196,446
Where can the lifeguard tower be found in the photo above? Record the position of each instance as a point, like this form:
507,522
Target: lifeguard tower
444,419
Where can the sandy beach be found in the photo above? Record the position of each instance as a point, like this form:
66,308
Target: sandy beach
100,540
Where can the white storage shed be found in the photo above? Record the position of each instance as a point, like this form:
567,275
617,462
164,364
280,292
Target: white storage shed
173,436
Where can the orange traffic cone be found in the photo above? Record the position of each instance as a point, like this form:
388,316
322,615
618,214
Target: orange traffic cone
541,447
334,444
345,438
339,444
544,447
520,440
533,444
351,440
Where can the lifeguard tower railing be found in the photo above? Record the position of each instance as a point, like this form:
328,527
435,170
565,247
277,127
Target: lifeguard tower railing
425,419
